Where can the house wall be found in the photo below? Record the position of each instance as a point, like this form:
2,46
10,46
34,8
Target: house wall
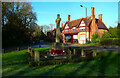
93,28
101,31
77,32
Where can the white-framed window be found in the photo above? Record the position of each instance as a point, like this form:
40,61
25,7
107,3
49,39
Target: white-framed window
82,37
66,30
75,36
74,28
82,28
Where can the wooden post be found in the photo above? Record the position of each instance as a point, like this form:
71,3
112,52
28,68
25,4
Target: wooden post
74,50
31,53
37,56
94,53
82,53
69,54
29,49
18,49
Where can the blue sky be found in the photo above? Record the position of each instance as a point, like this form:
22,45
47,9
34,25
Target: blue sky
46,12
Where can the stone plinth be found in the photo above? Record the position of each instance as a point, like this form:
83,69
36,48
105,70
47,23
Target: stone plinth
37,56
29,49
83,53
94,53
57,46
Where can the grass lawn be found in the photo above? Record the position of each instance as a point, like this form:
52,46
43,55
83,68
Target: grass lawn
15,64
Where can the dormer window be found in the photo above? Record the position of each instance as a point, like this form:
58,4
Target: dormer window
74,28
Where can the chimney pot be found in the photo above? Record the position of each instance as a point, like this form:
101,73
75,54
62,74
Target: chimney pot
61,24
68,17
100,17
93,12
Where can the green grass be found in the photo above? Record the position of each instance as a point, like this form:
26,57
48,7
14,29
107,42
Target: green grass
15,64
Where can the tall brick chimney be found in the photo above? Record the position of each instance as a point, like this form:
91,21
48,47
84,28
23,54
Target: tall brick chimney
93,12
61,24
68,17
100,17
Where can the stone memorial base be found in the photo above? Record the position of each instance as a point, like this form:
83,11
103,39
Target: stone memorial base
57,48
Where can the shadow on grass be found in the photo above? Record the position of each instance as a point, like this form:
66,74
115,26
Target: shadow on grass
12,70
110,60
102,65
51,70
79,68
26,70
13,59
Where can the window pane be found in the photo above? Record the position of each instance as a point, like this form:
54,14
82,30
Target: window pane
74,28
66,30
82,29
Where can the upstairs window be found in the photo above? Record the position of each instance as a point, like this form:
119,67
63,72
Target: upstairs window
82,29
66,30
74,28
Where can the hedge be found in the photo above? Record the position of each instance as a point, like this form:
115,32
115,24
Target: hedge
110,41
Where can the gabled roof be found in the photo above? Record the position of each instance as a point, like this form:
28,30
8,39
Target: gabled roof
73,23
101,25
76,23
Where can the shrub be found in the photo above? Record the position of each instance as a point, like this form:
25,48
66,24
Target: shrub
53,62
95,38
32,63
110,41
39,63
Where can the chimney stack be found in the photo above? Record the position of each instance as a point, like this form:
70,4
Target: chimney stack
93,12
61,24
68,17
100,17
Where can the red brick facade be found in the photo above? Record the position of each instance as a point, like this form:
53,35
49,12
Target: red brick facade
84,28
79,30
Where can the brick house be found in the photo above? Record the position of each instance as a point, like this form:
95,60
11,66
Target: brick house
79,30
52,33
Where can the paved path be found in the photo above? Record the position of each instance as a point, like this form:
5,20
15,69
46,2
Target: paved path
94,47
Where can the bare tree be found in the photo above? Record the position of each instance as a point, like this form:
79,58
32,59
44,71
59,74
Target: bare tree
46,28
41,27
51,26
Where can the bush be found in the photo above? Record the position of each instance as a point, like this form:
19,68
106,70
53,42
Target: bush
32,63
95,38
110,41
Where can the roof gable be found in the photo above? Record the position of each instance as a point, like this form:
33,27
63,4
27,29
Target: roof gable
101,25
66,27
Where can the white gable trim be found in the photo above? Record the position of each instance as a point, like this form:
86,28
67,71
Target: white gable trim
66,27
82,23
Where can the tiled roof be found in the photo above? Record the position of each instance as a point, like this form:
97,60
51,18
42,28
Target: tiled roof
75,23
101,25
